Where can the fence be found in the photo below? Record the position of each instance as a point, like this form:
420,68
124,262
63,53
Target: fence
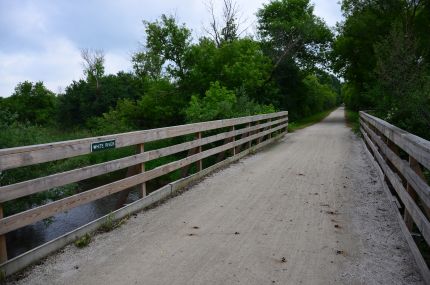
237,136
403,158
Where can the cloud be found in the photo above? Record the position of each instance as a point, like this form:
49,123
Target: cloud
56,64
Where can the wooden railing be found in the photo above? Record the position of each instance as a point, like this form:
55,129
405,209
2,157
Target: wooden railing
403,158
241,134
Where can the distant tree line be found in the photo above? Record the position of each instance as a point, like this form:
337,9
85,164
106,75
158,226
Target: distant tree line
383,52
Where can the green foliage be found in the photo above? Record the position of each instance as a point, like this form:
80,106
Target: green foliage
31,102
82,100
236,64
297,42
121,119
308,121
353,120
319,97
290,30
162,105
220,103
382,51
217,104
110,223
165,49
83,241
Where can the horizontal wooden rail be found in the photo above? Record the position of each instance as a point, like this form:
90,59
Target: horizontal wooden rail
405,177
415,146
28,155
17,190
269,125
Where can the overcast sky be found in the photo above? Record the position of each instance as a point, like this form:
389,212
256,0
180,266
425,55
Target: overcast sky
41,40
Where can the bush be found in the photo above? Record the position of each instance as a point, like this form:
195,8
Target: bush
220,103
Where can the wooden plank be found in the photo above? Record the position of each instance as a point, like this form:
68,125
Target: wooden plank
416,181
3,249
199,163
415,212
270,135
233,139
421,263
249,133
227,139
33,215
13,191
409,222
28,155
141,166
415,146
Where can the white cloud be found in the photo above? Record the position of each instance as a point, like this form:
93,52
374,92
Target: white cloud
56,65
115,62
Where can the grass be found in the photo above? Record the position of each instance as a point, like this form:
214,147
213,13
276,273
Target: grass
83,241
308,121
352,119
110,223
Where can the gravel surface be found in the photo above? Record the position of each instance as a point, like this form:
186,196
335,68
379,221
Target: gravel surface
309,209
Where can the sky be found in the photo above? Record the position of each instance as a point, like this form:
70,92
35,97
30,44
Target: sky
41,40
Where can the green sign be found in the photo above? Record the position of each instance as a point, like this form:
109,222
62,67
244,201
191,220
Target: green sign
102,145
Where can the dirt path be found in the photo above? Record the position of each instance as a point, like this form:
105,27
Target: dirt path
308,210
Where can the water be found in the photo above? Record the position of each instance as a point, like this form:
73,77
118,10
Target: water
29,237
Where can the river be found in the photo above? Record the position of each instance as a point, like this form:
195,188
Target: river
29,237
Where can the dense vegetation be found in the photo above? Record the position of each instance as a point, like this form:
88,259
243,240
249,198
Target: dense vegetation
383,53
177,79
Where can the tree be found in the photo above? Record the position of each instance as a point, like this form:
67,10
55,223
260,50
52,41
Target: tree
79,102
226,29
93,66
164,50
238,64
297,42
220,102
32,103
290,30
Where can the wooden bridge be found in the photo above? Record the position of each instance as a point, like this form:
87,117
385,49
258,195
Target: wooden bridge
308,209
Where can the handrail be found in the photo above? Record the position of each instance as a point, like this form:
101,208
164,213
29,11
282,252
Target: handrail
404,177
251,129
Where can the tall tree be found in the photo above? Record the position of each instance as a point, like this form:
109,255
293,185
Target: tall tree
226,28
290,30
164,50
33,103
93,63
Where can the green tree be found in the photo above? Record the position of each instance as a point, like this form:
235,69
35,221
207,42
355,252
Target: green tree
238,64
32,103
164,50
382,51
220,102
290,30
80,101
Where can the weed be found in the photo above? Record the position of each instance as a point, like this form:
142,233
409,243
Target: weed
83,241
110,223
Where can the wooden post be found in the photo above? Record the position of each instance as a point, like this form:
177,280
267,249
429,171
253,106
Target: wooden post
199,163
259,131
249,133
415,166
3,250
270,127
233,139
141,187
